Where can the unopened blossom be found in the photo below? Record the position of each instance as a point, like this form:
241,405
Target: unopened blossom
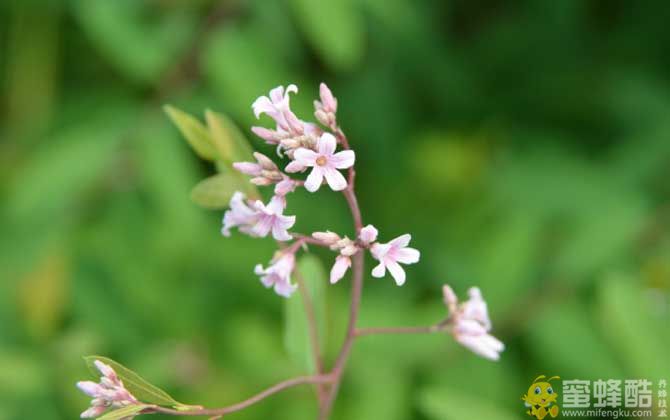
324,163
471,323
342,264
368,234
270,218
391,254
109,393
277,106
329,238
324,110
278,274
240,215
264,170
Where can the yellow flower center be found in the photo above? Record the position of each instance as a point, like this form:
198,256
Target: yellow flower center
321,161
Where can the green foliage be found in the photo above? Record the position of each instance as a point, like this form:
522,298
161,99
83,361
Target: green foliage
297,340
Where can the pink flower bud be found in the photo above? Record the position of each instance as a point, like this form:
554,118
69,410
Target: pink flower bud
248,168
368,234
327,237
328,101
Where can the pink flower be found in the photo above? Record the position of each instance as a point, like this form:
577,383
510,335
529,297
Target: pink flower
324,163
392,253
257,219
368,234
472,324
342,264
271,218
240,215
109,393
278,274
277,106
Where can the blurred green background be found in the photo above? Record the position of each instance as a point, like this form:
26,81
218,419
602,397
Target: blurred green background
525,145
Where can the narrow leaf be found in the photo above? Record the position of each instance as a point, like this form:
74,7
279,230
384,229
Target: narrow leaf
122,413
197,135
138,386
297,339
227,138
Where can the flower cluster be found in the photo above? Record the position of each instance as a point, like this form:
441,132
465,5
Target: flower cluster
109,393
471,323
307,146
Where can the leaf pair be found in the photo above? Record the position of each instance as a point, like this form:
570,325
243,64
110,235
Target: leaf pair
219,141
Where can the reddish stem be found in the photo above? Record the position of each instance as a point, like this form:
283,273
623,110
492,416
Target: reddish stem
317,379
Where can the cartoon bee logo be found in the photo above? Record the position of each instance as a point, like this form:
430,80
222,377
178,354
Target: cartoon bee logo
541,398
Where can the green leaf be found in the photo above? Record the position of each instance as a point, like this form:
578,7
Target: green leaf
340,42
215,192
227,138
297,339
121,413
134,383
197,135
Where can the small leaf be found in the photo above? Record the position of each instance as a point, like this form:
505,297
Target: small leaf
215,192
297,338
134,383
122,413
227,138
197,135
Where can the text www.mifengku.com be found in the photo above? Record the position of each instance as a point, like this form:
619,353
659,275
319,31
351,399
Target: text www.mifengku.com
608,413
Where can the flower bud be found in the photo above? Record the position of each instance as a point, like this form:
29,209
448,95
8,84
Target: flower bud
327,237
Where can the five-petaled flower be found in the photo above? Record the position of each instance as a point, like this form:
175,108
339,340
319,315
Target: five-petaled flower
271,218
471,323
324,162
392,253
278,274
109,393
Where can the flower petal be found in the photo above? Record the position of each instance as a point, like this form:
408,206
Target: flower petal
335,179
340,267
397,272
379,271
326,144
294,167
280,233
407,255
314,180
305,157
343,160
401,241
263,105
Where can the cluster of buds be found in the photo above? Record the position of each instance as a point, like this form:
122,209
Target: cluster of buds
108,394
326,109
290,132
345,248
471,323
264,171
